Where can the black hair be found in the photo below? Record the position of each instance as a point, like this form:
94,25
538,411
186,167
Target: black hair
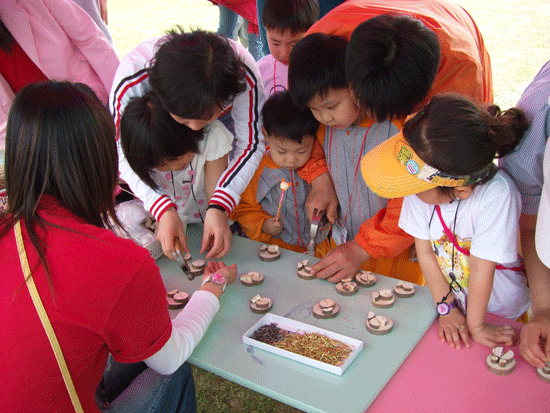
391,63
458,137
194,73
6,38
149,136
60,142
316,66
282,119
293,15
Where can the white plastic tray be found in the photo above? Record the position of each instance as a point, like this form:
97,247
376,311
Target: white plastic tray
296,326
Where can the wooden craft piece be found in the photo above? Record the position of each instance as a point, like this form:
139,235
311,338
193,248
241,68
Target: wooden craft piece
252,278
366,278
383,298
304,270
544,373
347,287
177,299
378,324
404,289
270,253
499,363
326,308
197,267
260,305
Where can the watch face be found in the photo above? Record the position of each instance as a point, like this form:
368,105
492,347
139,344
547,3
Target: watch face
443,309
217,278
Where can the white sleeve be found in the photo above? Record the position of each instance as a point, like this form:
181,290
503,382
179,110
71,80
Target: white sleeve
250,145
217,141
187,330
412,219
496,221
131,80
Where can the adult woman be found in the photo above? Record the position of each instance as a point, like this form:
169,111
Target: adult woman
101,293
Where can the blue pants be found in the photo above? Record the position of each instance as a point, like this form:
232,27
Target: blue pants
227,26
132,388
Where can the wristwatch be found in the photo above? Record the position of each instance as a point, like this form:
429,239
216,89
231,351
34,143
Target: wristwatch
445,308
216,278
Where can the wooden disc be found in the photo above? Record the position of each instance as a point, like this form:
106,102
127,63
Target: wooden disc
306,274
266,303
319,313
175,305
172,292
380,302
347,289
404,289
366,278
268,257
543,376
181,296
199,264
375,327
496,369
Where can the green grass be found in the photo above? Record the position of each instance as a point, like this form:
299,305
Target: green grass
515,33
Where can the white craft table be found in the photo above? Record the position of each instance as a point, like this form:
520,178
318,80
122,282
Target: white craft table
222,352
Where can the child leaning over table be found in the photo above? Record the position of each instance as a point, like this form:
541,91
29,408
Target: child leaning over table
285,22
290,135
174,160
462,211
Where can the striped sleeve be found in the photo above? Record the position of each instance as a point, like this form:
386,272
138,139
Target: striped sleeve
249,141
131,80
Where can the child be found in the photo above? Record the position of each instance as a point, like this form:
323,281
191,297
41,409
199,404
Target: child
172,159
290,134
465,213
197,76
367,226
465,67
285,22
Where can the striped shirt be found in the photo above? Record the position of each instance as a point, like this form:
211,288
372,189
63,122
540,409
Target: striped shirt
132,79
524,164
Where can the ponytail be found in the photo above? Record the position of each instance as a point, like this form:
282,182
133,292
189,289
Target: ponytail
506,128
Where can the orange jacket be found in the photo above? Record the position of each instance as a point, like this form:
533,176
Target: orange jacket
465,66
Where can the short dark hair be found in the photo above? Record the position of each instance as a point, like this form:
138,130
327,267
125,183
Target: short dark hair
316,65
456,136
149,136
391,63
293,15
282,119
195,72
59,141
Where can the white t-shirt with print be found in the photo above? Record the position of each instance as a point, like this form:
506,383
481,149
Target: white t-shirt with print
486,224
186,187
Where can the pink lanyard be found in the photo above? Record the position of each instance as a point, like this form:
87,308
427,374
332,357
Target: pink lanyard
466,252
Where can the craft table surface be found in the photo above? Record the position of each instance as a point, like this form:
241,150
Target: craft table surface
221,351
438,378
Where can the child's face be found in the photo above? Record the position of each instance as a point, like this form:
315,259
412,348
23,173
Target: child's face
281,43
288,154
177,164
336,109
198,124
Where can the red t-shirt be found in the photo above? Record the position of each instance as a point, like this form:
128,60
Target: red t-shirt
106,295
18,69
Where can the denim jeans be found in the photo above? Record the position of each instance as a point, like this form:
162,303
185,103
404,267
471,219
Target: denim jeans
132,388
227,26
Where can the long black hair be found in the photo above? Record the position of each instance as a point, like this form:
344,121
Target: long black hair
60,141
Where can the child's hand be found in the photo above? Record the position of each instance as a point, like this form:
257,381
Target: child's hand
491,335
343,261
272,227
535,339
170,231
229,271
453,329
216,237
